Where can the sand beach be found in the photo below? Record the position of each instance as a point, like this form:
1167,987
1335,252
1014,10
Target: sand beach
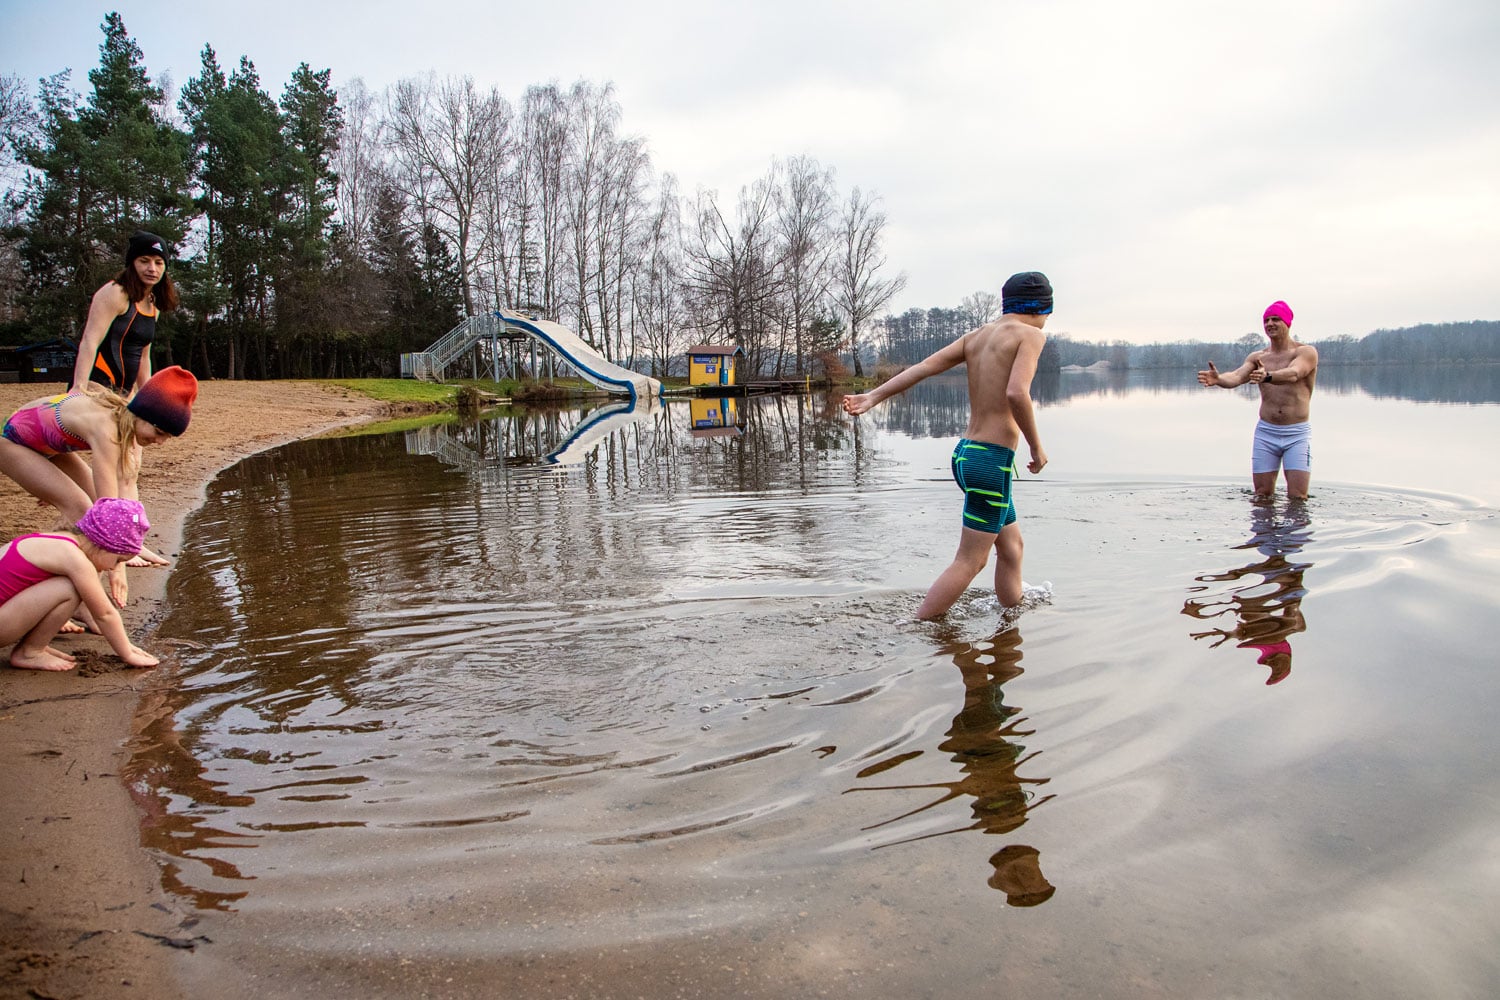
82,912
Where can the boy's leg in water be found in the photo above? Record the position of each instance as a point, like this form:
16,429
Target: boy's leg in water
973,552
1008,549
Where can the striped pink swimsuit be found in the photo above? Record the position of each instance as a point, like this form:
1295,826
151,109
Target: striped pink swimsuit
41,429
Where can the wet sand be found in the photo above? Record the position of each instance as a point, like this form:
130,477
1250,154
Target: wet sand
82,912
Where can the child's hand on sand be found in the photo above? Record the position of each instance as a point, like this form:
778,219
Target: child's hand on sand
138,657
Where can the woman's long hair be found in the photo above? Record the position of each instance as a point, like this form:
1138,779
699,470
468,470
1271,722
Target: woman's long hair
130,455
164,293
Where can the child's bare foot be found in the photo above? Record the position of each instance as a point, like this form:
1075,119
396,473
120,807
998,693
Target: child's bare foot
72,627
60,654
42,659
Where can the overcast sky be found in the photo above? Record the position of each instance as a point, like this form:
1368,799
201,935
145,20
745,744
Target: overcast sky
1172,166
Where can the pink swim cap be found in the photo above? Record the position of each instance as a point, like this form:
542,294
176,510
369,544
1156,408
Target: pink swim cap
116,525
1280,310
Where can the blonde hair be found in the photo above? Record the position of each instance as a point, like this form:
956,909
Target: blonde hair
130,461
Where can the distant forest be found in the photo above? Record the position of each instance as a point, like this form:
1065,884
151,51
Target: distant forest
917,333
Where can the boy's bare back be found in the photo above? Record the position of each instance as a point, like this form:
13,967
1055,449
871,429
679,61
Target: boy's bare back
1001,358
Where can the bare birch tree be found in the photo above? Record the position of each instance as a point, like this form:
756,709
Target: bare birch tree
591,114
448,139
804,233
620,235
539,197
729,275
656,302
358,161
980,308
858,290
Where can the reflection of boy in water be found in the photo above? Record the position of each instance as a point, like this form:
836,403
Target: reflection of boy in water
1000,358
1266,618
988,760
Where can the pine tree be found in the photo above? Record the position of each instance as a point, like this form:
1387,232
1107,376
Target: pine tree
240,156
99,172
311,122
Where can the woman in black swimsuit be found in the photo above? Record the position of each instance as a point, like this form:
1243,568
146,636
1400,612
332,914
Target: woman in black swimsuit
116,346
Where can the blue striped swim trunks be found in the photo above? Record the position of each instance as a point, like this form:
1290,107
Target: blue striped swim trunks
983,471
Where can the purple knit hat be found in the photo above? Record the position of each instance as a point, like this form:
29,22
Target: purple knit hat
116,525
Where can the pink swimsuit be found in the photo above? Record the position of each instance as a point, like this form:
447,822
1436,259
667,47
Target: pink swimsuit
17,573
41,429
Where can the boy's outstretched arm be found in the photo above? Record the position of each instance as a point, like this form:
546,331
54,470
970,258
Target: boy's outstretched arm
939,361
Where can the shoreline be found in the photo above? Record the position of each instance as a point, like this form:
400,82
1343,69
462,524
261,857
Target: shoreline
82,910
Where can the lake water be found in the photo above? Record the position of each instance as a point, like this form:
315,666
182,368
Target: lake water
630,704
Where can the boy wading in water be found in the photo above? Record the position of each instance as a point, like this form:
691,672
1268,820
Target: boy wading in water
1285,371
1001,358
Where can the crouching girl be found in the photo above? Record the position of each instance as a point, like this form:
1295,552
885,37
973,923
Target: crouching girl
41,442
44,577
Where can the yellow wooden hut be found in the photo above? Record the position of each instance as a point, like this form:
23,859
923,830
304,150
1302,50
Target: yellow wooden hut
713,364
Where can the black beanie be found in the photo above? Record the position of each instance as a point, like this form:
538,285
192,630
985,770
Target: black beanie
144,244
1027,292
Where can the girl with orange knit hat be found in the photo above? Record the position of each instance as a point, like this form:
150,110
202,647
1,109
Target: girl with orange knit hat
41,441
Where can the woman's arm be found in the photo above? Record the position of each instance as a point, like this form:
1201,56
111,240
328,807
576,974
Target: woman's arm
143,373
109,302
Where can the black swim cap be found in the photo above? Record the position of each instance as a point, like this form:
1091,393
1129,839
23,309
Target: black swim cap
1028,292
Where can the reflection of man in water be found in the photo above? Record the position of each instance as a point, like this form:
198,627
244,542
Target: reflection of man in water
1267,608
1285,372
980,742
1001,358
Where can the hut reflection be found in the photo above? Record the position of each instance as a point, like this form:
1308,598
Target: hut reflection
1264,601
984,741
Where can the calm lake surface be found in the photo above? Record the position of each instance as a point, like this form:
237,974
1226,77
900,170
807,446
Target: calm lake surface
614,704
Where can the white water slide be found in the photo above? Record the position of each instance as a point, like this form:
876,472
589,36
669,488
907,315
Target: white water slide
589,363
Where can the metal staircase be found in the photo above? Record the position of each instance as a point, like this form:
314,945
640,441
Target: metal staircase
432,364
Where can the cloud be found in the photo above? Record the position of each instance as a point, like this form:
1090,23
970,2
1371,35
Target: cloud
1171,165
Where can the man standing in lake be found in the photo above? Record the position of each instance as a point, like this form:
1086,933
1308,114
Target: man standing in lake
1285,372
1001,358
